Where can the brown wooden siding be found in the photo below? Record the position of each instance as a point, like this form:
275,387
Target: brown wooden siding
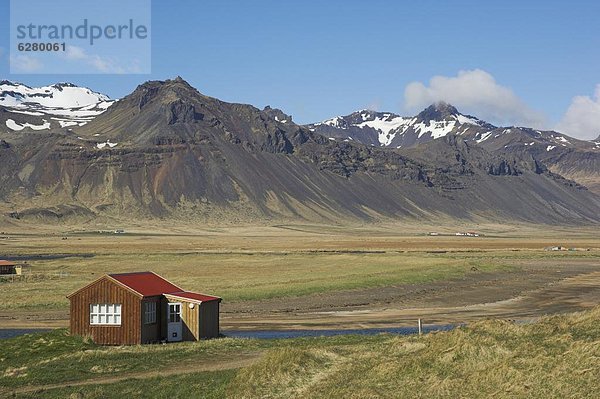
7,269
107,291
151,332
189,317
200,322
163,317
190,321
209,319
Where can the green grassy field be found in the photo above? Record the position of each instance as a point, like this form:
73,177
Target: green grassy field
259,266
56,357
556,357
238,277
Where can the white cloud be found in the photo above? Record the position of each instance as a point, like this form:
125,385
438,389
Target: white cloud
100,64
75,53
474,92
582,119
374,106
24,64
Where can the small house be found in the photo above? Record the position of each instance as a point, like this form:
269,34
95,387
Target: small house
140,308
8,267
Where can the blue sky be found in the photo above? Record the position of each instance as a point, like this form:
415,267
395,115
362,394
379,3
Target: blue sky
521,62
81,55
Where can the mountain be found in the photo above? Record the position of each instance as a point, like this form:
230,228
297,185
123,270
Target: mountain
168,151
575,159
59,105
390,130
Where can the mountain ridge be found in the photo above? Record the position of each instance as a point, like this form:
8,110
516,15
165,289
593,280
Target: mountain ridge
436,112
168,151
575,159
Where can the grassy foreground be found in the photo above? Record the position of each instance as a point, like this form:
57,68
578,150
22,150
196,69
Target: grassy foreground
557,357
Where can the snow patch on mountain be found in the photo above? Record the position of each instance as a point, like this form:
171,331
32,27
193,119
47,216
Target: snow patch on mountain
436,129
562,140
11,124
463,119
60,95
484,137
338,122
386,125
105,144
65,103
68,123
27,112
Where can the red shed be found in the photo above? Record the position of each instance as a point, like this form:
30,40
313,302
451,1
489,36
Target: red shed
8,267
142,307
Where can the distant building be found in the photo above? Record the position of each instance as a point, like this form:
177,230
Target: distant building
555,248
139,308
467,234
8,267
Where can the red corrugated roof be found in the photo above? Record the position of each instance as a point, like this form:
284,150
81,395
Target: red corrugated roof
6,263
194,296
146,283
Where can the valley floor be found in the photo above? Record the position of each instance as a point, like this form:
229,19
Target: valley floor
522,294
318,277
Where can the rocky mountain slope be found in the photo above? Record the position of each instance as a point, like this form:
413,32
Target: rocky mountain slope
575,159
167,150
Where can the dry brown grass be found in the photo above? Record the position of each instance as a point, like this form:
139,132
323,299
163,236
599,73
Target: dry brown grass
555,358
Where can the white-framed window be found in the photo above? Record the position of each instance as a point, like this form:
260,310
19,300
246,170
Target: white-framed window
149,312
174,312
105,314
